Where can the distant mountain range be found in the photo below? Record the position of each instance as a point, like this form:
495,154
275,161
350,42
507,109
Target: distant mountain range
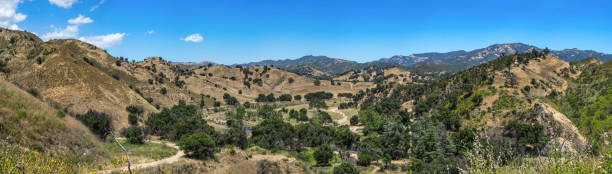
479,56
319,66
435,62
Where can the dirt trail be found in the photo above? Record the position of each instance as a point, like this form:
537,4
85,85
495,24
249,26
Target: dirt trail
172,159
344,120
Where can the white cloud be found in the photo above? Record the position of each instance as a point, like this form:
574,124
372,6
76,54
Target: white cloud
9,17
80,20
193,38
70,31
151,32
104,41
63,3
93,8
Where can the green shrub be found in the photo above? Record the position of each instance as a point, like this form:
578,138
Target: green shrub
99,123
230,100
325,117
198,145
321,95
273,133
132,119
285,97
530,138
323,154
345,168
354,120
180,120
134,135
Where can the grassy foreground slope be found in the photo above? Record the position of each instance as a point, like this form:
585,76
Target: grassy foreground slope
35,138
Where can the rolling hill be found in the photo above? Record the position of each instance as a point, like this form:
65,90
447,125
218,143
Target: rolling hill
77,77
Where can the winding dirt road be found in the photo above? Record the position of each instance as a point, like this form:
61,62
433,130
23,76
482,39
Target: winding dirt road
172,159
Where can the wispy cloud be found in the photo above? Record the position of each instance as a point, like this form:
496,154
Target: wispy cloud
150,32
93,8
63,3
9,17
193,38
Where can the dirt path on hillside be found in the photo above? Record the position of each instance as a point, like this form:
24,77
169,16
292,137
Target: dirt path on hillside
172,159
344,120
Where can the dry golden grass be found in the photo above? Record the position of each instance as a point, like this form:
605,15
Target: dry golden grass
35,138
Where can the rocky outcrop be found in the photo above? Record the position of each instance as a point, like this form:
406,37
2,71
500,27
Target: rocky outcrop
565,137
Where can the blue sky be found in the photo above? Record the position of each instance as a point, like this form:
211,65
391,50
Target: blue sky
239,31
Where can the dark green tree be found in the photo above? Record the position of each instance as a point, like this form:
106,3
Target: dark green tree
132,119
323,154
273,133
198,145
236,135
285,97
354,120
99,123
134,135
368,150
345,168
230,100
318,104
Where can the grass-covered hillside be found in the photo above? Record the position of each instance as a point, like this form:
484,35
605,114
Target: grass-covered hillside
36,138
